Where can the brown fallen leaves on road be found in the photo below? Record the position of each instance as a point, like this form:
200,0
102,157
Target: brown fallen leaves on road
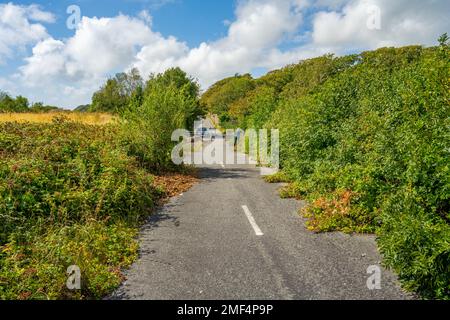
175,184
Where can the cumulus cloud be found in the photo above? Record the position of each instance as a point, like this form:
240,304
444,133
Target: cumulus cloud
19,26
251,42
401,22
35,13
99,47
67,71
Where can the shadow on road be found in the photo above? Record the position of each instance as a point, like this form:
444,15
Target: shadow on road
160,216
212,173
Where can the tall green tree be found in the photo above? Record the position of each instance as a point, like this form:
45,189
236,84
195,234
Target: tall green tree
109,98
7,104
115,95
168,102
21,104
187,86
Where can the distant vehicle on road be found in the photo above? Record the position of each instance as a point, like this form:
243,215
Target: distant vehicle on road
207,133
200,132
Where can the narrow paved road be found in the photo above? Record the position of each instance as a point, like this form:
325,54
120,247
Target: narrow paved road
232,237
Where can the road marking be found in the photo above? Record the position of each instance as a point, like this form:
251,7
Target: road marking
252,221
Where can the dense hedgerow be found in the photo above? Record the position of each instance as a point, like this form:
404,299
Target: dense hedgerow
69,195
75,194
369,149
365,139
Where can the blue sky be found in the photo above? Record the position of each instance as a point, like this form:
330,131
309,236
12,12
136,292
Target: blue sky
194,21
44,60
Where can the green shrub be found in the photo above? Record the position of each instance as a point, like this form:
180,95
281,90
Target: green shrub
218,99
415,242
170,102
75,194
69,195
148,128
37,270
375,129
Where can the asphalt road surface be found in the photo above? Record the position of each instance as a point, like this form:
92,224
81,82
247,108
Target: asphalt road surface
232,237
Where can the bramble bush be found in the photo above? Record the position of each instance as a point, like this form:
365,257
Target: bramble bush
69,195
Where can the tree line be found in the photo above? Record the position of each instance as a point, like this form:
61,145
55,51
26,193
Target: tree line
21,104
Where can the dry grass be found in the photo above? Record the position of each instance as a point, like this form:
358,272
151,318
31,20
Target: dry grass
89,118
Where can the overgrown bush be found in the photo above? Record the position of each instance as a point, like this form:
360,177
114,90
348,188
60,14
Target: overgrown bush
218,99
169,102
69,195
380,131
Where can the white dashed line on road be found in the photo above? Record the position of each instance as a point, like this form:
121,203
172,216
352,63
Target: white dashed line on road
252,221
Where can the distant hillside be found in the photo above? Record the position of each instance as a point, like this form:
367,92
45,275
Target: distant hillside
83,108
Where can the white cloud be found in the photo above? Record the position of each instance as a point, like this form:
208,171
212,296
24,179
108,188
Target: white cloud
66,72
36,14
17,30
102,45
260,26
160,55
47,60
145,16
402,22
99,47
